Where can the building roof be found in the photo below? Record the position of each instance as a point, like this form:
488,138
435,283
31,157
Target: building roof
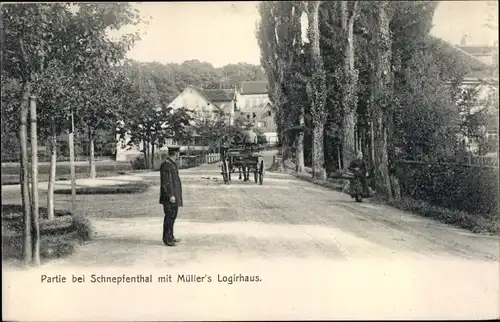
219,95
254,88
203,93
478,50
478,69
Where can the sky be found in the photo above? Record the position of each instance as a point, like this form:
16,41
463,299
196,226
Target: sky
224,32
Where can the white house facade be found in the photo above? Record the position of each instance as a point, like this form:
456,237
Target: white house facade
201,102
250,101
251,95
263,119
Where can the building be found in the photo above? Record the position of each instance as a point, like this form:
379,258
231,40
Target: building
250,102
262,118
206,100
482,62
253,105
203,102
484,53
251,95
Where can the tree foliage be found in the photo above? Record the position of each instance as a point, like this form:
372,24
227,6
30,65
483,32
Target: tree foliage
145,120
417,101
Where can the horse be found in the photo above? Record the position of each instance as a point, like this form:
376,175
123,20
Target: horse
242,169
246,172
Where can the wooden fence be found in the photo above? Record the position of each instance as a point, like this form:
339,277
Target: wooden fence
197,160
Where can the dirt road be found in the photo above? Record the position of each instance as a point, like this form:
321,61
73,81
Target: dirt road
318,255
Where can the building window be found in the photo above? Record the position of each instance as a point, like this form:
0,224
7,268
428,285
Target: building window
269,113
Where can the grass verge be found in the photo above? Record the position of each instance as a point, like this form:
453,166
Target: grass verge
476,223
128,188
10,173
59,237
14,180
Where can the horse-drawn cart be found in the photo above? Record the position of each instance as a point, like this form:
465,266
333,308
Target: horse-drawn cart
244,156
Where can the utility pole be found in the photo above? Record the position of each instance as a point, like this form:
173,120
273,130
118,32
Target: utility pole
72,162
34,184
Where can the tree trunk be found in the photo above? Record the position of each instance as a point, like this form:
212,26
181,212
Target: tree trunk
318,170
71,146
24,180
152,156
381,160
35,216
299,151
382,90
91,155
52,174
317,93
339,158
364,149
349,95
145,146
348,138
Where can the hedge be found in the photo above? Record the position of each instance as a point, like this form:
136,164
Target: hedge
59,237
64,169
10,173
128,188
473,189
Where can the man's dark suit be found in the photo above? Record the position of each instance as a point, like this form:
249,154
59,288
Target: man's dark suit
171,186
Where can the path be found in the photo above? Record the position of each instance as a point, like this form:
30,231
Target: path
320,256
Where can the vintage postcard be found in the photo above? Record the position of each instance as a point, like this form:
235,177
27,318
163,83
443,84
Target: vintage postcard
244,161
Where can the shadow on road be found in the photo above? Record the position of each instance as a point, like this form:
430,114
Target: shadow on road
110,250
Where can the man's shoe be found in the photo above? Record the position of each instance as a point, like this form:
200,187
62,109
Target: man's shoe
170,244
176,240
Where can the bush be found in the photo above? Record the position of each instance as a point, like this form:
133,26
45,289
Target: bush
138,163
473,189
190,161
128,188
59,237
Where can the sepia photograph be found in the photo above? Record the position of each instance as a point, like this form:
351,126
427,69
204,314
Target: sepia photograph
250,160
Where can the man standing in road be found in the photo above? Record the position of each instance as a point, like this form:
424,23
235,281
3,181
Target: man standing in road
170,196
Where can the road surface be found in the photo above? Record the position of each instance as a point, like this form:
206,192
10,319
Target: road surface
318,255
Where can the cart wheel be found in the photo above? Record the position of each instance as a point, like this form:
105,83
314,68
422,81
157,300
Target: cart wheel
261,172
